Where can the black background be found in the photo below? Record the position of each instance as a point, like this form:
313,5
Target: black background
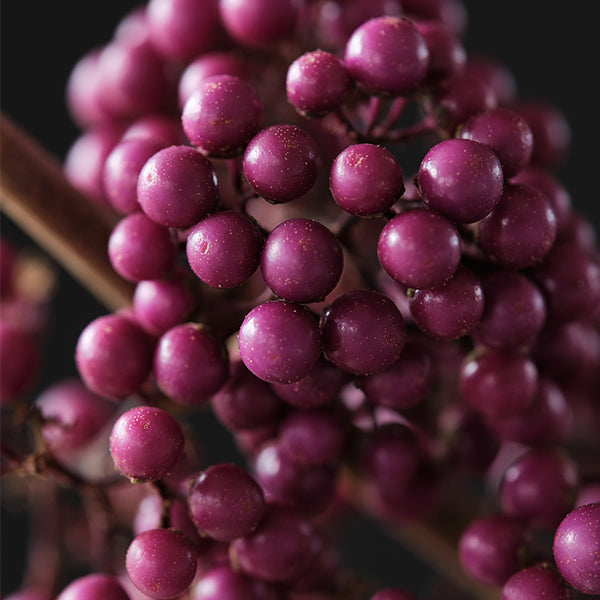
551,47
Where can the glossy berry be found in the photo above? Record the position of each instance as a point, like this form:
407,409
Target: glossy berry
259,22
362,332
279,342
514,312
222,115
498,384
366,179
281,163
462,179
403,384
161,563
225,502
73,414
279,548
450,310
577,548
302,260
506,132
141,249
177,187
539,488
113,356
223,582
387,56
320,387
536,583
490,549
207,65
146,443
182,29
94,587
190,365
520,230
317,83
246,402
419,248
160,304
216,258
122,169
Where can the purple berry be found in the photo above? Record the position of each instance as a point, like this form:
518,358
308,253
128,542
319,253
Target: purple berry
161,563
222,116
387,56
141,249
96,586
182,29
577,548
279,342
366,179
504,131
73,415
362,332
245,401
490,549
520,230
160,304
450,310
282,163
278,549
113,356
317,83
539,488
213,256
419,249
146,443
177,187
498,384
538,582
224,583
462,179
122,169
259,22
302,261
225,502
190,365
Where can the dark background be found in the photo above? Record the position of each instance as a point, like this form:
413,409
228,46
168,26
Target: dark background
551,47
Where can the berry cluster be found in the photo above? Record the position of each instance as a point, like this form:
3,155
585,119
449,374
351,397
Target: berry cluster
369,328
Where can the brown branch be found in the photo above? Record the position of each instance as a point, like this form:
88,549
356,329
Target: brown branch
36,196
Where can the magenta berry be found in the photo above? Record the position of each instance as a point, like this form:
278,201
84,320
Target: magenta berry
146,443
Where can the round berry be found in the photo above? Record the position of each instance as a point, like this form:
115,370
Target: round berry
366,179
222,115
419,248
387,56
279,341
302,260
226,502
577,548
146,443
363,332
462,179
282,163
224,249
161,563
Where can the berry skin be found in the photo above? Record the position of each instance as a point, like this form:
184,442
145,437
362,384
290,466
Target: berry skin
226,502
387,56
577,548
146,443
161,563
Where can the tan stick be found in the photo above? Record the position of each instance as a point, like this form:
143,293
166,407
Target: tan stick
36,196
